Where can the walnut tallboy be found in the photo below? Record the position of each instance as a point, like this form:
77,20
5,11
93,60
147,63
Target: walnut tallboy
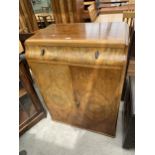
80,70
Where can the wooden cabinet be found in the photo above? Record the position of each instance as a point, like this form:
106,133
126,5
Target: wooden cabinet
80,69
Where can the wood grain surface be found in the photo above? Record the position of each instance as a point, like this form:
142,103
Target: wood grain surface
81,82
117,9
67,11
27,19
107,57
113,34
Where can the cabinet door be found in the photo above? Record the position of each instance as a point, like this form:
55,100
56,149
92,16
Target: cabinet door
55,84
97,92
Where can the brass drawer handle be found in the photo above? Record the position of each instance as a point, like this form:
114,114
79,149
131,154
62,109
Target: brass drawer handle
42,52
97,54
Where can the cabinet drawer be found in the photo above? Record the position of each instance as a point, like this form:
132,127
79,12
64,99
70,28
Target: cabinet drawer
94,57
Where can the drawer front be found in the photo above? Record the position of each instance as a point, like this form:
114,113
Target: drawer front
88,57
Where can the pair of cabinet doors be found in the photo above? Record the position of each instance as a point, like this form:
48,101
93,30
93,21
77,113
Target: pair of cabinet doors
82,96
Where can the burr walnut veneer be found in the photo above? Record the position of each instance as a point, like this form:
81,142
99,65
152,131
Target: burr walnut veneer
80,69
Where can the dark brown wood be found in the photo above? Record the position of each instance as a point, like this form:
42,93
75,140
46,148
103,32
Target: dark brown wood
81,71
130,68
23,37
31,122
28,86
129,115
36,111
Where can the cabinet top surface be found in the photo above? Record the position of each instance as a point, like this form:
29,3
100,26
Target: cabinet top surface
82,34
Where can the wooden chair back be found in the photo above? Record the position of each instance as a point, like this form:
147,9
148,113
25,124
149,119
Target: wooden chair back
92,12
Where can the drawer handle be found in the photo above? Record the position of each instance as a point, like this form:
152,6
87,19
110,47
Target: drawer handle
42,52
97,54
